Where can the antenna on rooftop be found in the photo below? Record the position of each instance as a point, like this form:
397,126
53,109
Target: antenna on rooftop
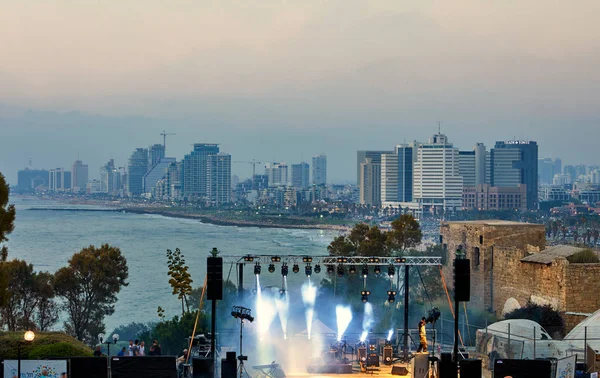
439,127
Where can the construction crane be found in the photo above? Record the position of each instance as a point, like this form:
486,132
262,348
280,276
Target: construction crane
164,135
253,162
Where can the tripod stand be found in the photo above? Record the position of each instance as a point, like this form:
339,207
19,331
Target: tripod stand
433,360
241,357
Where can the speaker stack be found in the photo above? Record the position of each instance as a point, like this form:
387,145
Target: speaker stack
229,366
214,273
462,280
388,354
448,367
470,368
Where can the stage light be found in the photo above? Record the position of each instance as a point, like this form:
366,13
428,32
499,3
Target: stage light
352,269
243,313
317,269
275,259
377,270
307,259
390,333
248,258
284,269
295,268
365,271
308,270
257,269
391,270
365,296
391,296
330,269
374,259
340,270
401,260
342,260
271,268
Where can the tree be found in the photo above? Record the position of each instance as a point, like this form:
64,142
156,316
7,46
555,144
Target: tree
363,240
545,316
7,217
29,303
406,233
89,286
181,280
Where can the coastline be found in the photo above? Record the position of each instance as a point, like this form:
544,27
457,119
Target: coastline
223,221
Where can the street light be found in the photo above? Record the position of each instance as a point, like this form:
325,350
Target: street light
28,336
103,340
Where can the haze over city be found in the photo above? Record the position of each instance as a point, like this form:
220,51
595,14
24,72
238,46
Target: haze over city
285,80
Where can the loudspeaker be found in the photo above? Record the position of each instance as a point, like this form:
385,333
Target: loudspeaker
202,367
421,365
524,368
229,366
448,368
470,368
214,283
462,280
373,359
399,370
362,354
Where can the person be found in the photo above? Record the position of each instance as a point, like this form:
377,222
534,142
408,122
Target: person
155,349
422,336
142,349
136,348
98,351
122,352
63,375
130,348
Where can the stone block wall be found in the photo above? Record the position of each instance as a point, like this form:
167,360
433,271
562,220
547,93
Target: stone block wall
582,288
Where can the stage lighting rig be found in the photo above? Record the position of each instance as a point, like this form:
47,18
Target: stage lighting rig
242,313
365,271
342,260
352,269
373,259
391,296
308,270
401,260
271,268
340,270
275,259
365,296
284,269
307,259
295,268
377,270
257,269
330,269
317,269
391,270
248,258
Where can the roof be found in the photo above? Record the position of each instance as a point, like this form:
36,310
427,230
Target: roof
496,223
548,255
579,334
519,329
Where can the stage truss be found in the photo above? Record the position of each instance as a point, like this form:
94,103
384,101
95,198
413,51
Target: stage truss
334,260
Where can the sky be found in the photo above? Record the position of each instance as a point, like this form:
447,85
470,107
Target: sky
277,80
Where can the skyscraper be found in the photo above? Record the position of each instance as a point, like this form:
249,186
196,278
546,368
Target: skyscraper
438,185
136,170
467,167
545,171
406,157
375,157
219,179
514,163
195,170
79,177
300,174
389,178
277,174
370,182
59,180
155,153
107,177
156,173
319,170
480,163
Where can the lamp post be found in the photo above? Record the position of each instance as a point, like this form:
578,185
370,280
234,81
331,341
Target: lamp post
102,340
28,336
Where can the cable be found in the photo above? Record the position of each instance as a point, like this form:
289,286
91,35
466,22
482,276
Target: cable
467,320
424,287
450,304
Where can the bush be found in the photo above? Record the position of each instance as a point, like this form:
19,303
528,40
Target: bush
587,256
61,349
545,316
9,343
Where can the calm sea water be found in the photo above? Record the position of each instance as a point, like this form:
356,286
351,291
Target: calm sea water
47,239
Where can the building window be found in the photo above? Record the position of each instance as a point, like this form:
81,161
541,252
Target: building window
476,256
480,239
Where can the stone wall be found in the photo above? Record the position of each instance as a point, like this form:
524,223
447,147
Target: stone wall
583,288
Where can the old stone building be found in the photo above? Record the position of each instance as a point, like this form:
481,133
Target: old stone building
511,265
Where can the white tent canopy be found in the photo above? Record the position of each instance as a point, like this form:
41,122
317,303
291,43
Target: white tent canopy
318,328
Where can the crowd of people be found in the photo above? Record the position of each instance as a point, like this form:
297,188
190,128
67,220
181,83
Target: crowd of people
135,349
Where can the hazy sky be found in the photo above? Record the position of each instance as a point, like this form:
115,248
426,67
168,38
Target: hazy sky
285,80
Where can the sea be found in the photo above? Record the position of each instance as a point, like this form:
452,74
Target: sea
47,233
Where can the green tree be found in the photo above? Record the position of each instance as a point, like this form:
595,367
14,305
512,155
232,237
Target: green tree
29,303
406,233
7,217
545,316
181,280
89,286
363,240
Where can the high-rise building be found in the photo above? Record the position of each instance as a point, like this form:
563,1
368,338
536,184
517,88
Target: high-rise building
107,178
467,167
514,163
158,171
277,174
155,153
438,184
319,170
546,171
375,157
195,170
136,170
32,179
370,182
300,173
59,180
219,179
79,177
480,163
389,178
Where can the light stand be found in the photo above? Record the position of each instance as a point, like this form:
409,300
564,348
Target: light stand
432,358
243,314
101,340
